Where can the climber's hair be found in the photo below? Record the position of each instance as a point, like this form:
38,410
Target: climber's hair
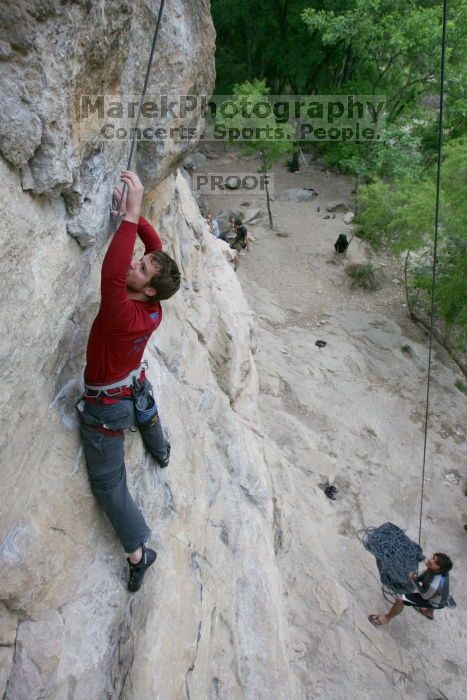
167,280
444,562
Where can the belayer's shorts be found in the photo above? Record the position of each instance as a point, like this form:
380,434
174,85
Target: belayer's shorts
417,601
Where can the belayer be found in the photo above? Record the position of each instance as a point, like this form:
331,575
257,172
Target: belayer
117,392
432,591
241,240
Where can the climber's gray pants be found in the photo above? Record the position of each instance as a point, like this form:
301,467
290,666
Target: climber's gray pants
106,465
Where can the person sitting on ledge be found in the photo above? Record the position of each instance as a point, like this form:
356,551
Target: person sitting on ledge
432,591
213,225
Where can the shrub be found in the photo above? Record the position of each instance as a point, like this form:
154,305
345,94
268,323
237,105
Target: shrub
397,156
364,275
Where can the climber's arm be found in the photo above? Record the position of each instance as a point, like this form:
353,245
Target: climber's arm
120,252
149,236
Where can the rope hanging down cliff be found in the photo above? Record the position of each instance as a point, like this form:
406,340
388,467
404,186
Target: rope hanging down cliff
395,553
435,252
138,117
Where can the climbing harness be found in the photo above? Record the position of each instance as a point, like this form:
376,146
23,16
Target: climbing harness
138,117
115,388
396,555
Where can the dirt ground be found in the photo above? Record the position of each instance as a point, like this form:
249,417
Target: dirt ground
352,414
296,260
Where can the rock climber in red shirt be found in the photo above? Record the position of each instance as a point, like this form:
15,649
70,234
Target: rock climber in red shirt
117,392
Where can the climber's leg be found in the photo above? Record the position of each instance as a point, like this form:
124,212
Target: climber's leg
396,609
107,477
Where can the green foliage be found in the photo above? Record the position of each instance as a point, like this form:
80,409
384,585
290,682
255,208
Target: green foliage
389,47
375,213
402,216
397,156
399,217
391,42
364,275
262,134
459,384
269,40
380,47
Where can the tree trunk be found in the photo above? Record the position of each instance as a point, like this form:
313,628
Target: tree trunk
268,201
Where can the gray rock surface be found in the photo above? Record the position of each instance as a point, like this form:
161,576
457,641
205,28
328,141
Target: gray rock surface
194,161
352,414
251,215
295,194
211,612
54,53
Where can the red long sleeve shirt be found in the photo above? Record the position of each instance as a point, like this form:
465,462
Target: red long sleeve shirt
123,326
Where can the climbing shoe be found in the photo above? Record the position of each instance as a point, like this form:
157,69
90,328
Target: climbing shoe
163,463
138,570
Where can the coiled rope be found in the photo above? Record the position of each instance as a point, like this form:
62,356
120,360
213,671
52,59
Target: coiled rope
396,556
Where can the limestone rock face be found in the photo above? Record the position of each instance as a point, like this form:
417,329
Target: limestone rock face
208,620
55,53
211,610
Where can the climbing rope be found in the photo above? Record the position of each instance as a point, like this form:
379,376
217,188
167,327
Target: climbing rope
141,102
396,556
435,251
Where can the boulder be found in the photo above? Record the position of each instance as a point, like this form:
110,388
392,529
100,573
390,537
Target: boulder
296,194
249,216
252,215
209,153
194,161
337,205
349,217
223,217
232,184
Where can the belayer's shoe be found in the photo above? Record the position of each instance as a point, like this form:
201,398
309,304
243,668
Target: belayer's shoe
138,570
163,463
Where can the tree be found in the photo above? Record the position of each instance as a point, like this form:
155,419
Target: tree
268,40
263,135
402,215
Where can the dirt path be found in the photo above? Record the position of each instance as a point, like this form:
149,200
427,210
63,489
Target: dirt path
351,414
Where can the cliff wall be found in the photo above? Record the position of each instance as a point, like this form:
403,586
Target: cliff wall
206,622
